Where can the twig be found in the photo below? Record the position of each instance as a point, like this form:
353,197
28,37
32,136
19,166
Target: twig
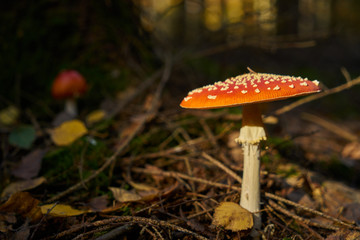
150,113
146,84
273,196
209,133
106,236
184,176
222,166
298,218
131,220
313,97
225,186
330,126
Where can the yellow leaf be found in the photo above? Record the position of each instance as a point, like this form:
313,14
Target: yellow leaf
95,116
24,204
68,132
9,115
233,217
22,186
61,210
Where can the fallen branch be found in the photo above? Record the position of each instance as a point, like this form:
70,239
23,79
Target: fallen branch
128,220
330,126
298,218
222,166
313,97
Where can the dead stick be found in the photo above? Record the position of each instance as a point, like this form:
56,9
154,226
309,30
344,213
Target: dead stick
125,143
129,220
298,218
275,197
222,166
330,126
317,96
184,176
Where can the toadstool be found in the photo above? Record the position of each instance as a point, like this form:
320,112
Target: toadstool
68,85
250,90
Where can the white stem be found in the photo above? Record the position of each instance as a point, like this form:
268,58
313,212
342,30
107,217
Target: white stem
70,107
250,189
251,133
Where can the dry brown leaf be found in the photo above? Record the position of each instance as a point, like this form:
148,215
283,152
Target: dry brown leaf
61,210
29,165
68,132
351,151
99,203
157,178
22,186
24,204
142,186
123,195
233,217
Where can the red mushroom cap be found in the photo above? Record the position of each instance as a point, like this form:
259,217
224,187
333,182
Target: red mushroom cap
68,84
249,88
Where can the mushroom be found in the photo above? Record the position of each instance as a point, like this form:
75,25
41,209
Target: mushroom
68,85
250,90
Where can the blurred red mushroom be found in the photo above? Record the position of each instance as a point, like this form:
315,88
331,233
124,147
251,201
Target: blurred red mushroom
250,90
69,85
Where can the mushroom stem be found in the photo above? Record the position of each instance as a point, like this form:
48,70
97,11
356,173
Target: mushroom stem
70,107
250,189
251,133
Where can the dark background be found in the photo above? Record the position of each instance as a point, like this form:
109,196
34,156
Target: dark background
115,44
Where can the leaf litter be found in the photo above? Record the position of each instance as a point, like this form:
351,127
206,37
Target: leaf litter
175,191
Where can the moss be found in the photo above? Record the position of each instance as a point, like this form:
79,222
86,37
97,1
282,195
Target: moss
61,165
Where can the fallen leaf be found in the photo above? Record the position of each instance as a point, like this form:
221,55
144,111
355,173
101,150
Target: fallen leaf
141,186
123,195
29,165
22,136
22,186
352,212
344,234
61,210
351,151
24,204
99,203
68,132
23,232
9,115
95,116
233,217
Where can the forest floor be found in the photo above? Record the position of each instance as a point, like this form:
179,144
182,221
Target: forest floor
144,168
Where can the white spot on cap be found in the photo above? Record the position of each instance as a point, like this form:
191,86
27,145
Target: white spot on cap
316,82
257,90
187,99
243,91
211,96
236,87
229,92
276,87
267,82
303,84
291,86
